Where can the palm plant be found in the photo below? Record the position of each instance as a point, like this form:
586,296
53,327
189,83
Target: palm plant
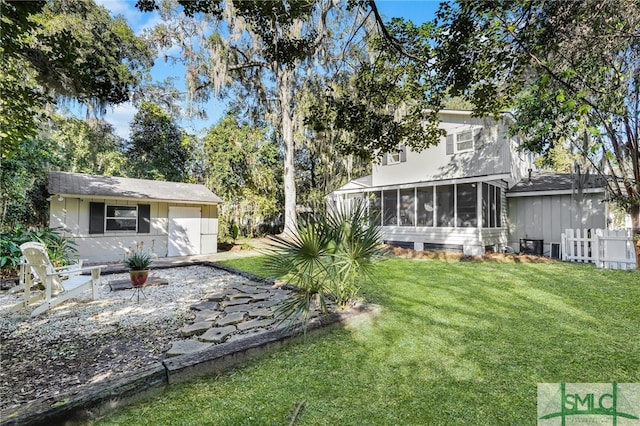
326,259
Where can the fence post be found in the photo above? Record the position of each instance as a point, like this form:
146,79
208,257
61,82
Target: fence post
597,235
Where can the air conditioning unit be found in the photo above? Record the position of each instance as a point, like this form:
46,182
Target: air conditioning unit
529,246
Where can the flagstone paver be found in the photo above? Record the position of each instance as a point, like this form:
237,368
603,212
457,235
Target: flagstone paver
204,305
218,334
236,312
208,315
256,323
229,319
195,328
181,347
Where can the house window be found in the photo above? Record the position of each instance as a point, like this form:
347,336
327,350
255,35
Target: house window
407,207
375,208
425,206
464,141
467,205
491,206
121,218
460,142
445,206
390,207
393,158
396,157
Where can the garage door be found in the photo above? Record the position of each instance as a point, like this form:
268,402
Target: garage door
184,231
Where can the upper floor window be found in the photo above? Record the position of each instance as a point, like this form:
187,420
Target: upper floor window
393,158
396,157
461,142
464,141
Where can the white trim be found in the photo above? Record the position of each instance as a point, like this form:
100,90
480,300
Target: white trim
488,178
553,192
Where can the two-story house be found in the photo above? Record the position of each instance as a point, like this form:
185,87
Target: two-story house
453,195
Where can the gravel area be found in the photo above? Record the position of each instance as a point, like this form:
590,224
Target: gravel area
83,342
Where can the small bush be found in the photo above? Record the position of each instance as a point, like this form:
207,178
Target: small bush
61,250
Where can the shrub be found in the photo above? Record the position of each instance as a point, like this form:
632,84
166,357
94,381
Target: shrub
327,258
61,249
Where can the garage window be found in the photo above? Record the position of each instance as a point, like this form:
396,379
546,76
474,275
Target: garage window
132,218
122,218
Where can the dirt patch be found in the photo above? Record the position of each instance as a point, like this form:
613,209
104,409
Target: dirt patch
459,257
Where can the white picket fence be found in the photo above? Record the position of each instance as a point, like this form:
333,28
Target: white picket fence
607,248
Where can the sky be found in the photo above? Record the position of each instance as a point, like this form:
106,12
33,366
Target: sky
121,115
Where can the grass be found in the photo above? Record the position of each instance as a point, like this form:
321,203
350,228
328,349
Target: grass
457,343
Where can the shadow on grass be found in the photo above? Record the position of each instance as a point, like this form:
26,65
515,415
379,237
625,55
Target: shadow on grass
456,343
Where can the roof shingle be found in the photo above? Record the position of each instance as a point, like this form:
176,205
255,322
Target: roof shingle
111,186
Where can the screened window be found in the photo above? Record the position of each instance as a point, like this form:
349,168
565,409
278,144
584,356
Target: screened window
407,207
121,218
375,208
491,206
425,206
464,141
445,206
390,207
467,204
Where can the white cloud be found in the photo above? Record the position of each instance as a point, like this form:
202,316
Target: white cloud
136,19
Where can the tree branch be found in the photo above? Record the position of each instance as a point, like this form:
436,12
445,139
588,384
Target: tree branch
394,42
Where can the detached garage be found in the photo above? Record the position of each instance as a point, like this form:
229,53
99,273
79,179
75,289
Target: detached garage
106,215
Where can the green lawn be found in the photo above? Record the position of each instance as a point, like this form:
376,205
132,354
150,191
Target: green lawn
460,343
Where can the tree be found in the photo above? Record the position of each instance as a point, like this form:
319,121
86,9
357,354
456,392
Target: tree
242,166
570,71
88,146
261,50
158,148
70,49
391,99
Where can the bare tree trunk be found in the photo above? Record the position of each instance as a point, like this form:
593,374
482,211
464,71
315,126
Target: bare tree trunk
285,86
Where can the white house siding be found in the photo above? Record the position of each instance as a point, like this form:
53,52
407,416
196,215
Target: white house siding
493,154
545,217
72,216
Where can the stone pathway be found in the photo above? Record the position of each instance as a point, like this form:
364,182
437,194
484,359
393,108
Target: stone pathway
237,312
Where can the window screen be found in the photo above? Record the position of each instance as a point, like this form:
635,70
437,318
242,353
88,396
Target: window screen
444,206
425,206
407,207
467,205
390,206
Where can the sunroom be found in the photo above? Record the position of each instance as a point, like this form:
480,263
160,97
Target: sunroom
464,215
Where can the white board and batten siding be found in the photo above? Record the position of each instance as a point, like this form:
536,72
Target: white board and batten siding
546,217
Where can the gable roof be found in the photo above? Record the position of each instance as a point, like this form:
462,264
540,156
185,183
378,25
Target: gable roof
73,184
558,183
363,182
